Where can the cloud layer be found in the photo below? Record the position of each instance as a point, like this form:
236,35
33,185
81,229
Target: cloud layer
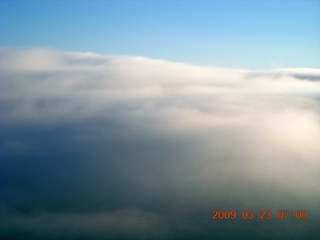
111,147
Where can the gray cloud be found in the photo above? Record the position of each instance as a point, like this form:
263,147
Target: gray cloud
125,223
299,73
112,147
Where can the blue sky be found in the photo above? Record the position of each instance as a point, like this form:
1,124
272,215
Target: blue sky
251,34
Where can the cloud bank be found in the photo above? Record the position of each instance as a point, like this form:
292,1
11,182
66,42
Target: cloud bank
109,147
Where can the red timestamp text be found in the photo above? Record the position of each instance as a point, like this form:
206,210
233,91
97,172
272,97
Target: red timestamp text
262,214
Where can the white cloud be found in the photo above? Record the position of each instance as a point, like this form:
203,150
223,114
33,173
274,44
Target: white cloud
182,134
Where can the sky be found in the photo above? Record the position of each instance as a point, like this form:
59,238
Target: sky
136,120
269,34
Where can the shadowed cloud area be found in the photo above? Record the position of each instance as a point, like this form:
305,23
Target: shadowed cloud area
110,147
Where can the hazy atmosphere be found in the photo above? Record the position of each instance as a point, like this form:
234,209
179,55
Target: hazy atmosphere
144,137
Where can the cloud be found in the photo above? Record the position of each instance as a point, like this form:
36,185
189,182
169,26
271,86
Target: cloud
299,73
125,223
130,147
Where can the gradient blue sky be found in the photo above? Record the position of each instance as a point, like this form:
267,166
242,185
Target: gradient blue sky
250,34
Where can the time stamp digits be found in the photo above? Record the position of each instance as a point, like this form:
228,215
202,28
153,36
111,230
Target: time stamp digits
262,214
